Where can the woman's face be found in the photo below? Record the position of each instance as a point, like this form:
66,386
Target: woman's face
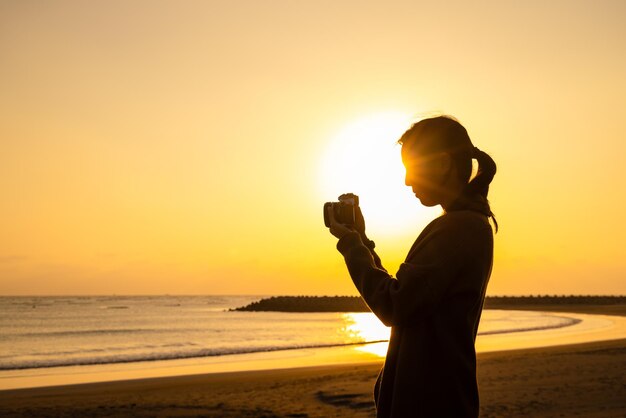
426,174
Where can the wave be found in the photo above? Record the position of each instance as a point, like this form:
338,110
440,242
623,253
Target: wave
82,356
105,332
212,352
567,321
142,357
85,333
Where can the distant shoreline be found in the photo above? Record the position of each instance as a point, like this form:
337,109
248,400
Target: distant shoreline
584,304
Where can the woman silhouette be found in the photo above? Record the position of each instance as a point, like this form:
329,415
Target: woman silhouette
434,304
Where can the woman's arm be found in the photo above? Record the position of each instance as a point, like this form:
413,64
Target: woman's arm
420,284
377,261
370,246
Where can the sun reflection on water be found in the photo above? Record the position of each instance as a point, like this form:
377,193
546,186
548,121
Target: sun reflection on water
364,326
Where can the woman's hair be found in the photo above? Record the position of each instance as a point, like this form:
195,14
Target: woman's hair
446,134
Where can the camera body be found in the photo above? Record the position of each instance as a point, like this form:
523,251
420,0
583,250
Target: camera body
343,210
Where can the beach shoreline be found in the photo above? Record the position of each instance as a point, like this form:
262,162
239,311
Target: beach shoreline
564,328
577,380
583,379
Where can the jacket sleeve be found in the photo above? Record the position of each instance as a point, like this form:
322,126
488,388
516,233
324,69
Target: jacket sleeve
377,261
420,284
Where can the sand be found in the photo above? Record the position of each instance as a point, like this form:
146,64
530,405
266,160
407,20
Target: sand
585,380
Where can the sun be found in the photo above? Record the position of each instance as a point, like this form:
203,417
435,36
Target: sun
364,158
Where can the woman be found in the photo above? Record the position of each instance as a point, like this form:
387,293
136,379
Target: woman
434,304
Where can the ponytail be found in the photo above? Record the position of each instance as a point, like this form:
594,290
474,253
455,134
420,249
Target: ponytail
480,184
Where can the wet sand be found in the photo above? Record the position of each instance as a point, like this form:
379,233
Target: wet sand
585,380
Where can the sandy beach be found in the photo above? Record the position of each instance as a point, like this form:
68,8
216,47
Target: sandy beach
584,380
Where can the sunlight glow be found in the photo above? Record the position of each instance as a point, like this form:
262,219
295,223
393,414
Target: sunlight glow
367,327
364,158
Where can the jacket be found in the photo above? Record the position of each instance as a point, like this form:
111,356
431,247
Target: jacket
433,307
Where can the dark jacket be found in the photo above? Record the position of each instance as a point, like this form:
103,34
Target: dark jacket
433,308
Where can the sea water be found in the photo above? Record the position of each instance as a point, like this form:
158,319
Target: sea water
44,332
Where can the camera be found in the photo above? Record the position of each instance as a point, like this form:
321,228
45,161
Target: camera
343,211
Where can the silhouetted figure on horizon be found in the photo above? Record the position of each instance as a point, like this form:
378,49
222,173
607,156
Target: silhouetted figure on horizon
435,302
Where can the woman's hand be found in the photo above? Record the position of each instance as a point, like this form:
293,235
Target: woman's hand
337,229
359,221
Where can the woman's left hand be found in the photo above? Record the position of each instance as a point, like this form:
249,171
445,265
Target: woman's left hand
337,229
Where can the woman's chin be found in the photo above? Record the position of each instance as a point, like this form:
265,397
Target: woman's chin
426,201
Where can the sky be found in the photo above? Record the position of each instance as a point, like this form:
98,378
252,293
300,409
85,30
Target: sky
160,147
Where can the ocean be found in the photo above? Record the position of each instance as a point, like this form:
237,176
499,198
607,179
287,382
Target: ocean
44,332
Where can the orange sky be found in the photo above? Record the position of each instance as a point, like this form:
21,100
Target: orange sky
164,147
